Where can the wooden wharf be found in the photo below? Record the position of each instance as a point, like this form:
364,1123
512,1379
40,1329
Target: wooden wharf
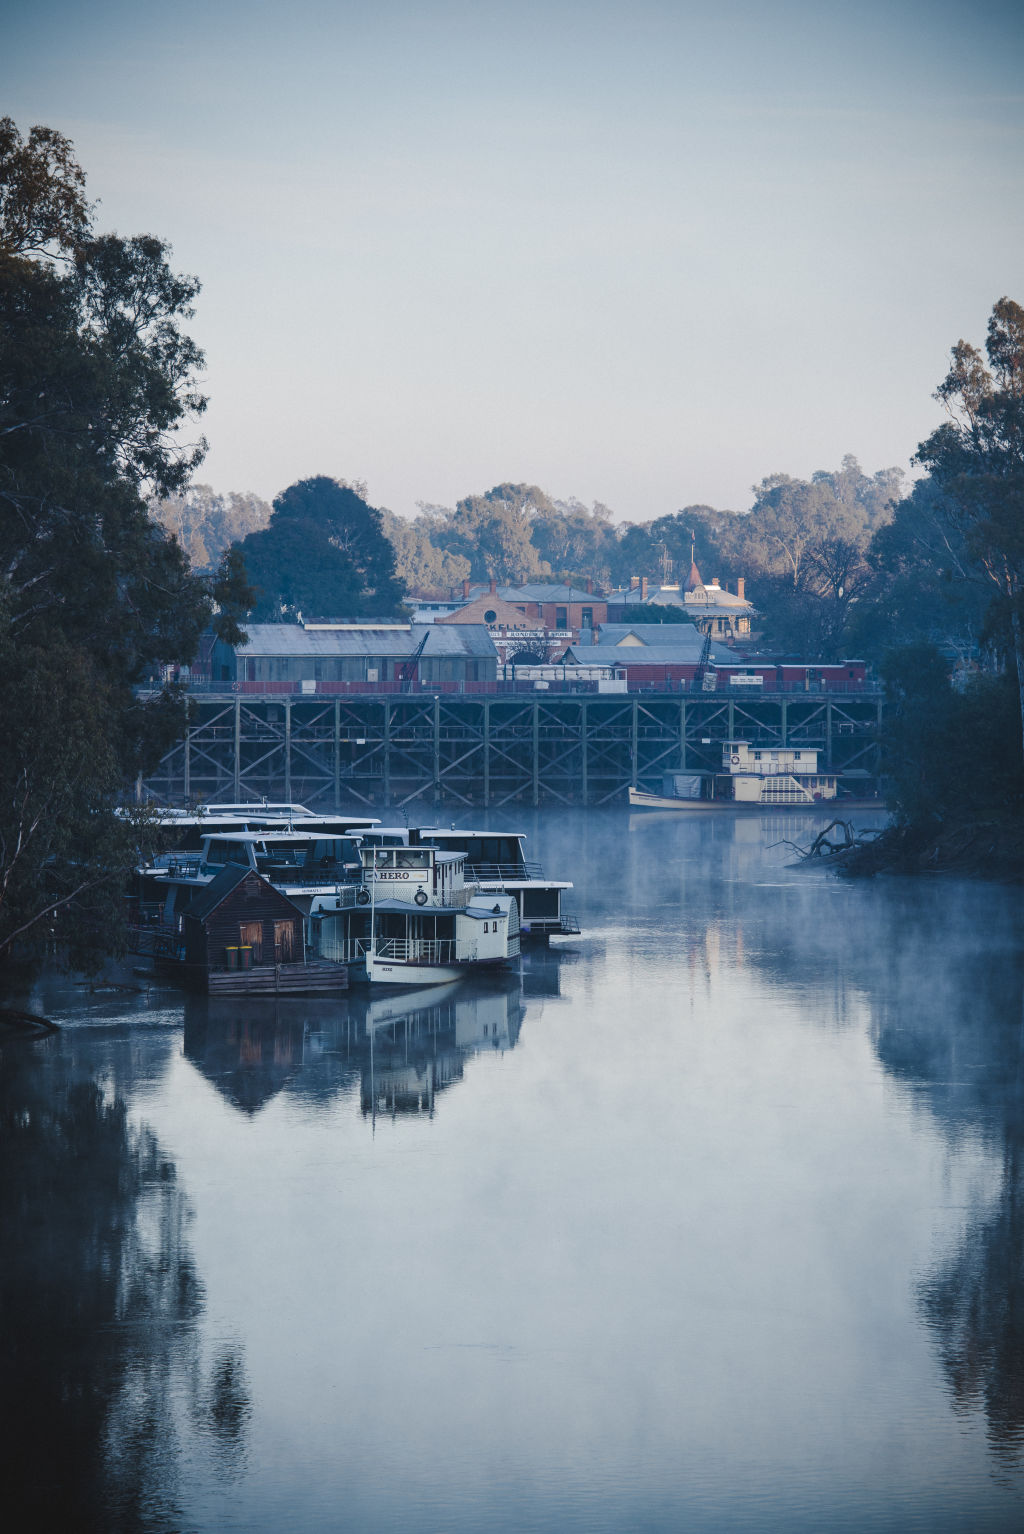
447,748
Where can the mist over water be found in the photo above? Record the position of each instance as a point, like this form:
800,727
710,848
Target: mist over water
711,1219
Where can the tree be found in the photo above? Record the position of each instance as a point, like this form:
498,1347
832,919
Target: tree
324,554
493,532
207,524
573,541
976,458
655,612
96,378
425,567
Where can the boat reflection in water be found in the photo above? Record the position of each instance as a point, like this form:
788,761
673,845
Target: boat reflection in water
400,1050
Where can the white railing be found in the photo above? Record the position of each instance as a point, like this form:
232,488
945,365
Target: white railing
345,950
425,950
500,871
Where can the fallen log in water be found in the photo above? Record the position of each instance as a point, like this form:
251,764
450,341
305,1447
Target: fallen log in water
28,1025
833,849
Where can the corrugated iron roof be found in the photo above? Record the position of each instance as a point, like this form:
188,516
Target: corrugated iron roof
291,640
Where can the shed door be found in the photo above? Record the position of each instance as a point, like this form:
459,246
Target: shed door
250,935
284,942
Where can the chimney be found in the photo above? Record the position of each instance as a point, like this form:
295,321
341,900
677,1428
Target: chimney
494,586
590,586
643,589
739,587
465,590
634,581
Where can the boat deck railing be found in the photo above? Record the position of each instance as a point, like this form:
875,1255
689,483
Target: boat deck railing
494,872
413,949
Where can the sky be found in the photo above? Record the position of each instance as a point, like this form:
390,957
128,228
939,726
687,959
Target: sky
644,253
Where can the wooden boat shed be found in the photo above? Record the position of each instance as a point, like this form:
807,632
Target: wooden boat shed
241,935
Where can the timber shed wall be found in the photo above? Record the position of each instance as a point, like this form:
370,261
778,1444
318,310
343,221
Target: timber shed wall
221,929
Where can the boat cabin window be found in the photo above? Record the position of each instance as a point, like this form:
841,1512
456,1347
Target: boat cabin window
227,852
486,849
395,858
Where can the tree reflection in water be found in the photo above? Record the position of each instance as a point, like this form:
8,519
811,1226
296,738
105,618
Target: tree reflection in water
970,1060
99,1298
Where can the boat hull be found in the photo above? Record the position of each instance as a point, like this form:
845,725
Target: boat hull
638,800
414,972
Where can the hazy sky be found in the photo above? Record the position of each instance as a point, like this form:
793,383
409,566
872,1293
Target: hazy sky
639,252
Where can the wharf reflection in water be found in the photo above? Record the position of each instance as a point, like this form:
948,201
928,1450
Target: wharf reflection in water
402,1049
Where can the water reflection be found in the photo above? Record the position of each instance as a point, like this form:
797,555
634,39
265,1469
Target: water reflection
100,1373
401,1050
967,1059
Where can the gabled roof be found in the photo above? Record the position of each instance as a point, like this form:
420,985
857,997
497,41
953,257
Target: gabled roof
217,891
648,655
684,635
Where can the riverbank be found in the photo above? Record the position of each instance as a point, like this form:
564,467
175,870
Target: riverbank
989,849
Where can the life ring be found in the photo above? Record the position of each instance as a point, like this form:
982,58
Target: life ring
363,897
736,759
420,897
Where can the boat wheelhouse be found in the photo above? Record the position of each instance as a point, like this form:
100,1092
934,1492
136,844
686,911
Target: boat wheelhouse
414,920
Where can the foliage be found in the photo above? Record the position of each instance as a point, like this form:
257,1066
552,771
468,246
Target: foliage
207,524
952,754
96,378
654,612
421,565
324,554
976,459
493,532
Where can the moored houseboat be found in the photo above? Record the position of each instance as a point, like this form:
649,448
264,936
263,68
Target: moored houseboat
751,778
415,920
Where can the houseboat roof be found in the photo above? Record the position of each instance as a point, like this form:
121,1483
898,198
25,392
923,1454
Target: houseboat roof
206,901
278,838
470,835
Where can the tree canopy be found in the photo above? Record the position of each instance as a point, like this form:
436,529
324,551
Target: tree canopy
96,378
323,554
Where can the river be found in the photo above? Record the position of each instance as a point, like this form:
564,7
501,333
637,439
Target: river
713,1219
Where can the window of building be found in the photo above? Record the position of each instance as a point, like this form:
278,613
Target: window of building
588,617
561,617
490,615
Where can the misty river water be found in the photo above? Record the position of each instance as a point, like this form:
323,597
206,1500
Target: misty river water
711,1219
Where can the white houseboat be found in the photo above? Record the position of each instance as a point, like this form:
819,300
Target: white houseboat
414,920
751,778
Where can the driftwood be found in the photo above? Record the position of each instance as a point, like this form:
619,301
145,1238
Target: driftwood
825,846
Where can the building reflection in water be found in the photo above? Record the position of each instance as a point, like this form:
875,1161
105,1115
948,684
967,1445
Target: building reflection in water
402,1049
101,1379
